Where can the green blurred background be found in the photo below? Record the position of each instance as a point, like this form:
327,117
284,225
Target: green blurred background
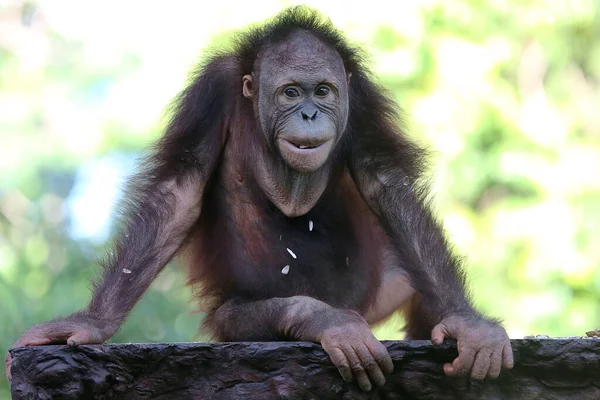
507,93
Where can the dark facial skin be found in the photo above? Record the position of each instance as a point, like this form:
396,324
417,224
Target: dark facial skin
301,100
299,93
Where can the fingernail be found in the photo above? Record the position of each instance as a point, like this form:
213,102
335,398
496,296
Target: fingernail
71,342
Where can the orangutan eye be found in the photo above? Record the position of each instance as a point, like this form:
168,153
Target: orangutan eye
291,92
322,91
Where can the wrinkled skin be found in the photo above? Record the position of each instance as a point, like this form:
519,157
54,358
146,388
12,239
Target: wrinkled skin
484,350
357,353
300,96
484,347
301,101
76,330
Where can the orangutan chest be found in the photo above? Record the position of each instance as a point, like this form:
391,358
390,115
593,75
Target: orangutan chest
281,256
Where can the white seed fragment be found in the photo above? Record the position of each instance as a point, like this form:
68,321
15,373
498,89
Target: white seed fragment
347,261
280,238
310,226
126,271
291,253
285,270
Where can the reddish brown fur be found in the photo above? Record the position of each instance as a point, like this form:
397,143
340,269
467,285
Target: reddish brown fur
248,232
218,192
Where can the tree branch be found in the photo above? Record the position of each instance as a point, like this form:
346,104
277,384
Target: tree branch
547,368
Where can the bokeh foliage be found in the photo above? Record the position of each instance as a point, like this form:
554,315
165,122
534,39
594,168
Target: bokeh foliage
506,92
